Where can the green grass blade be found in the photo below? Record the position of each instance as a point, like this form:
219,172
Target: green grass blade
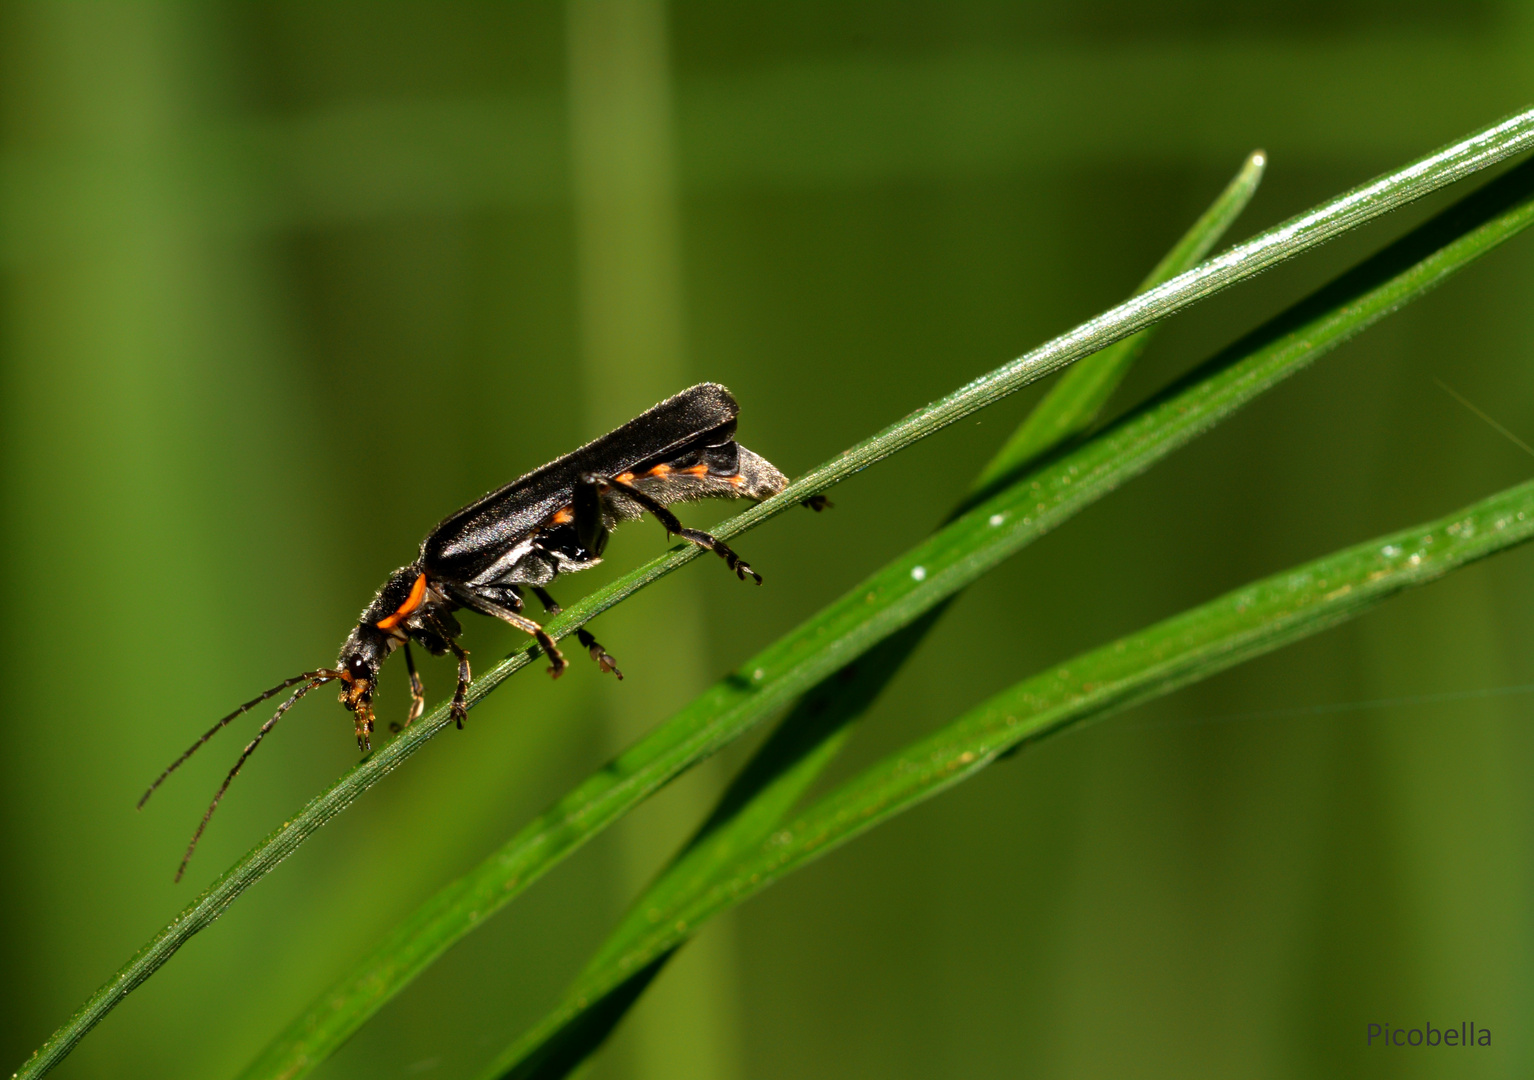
814,731
1478,151
1382,284
896,597
1074,402
1278,244
1251,621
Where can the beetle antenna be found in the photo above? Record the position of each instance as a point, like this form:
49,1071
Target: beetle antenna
318,678
321,676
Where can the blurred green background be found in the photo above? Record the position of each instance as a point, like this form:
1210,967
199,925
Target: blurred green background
284,283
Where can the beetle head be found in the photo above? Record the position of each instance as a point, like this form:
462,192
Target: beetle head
361,657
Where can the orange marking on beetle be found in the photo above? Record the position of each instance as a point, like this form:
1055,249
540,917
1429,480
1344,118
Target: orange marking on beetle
660,470
562,517
737,481
697,470
624,478
413,601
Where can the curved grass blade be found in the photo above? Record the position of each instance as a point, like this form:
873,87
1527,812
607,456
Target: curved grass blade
1253,620
896,597
1074,402
789,760
1347,211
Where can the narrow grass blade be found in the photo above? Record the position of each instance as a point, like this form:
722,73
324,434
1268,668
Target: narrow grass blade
1251,621
812,734
1374,289
904,591
1074,402
1347,211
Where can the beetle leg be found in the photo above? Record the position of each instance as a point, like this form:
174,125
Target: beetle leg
460,707
672,524
586,505
557,661
592,646
417,694
491,604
